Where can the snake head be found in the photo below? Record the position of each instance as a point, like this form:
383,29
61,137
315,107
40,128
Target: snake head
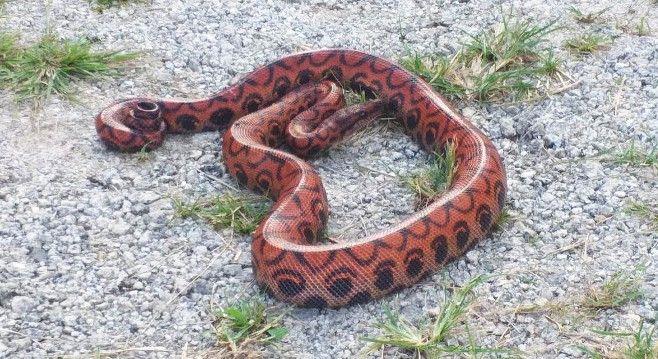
131,125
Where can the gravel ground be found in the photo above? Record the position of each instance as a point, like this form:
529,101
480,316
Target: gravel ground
95,260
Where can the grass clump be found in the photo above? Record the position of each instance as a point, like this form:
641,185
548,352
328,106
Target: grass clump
430,340
436,70
240,213
8,48
642,27
354,97
506,61
623,287
504,218
106,4
50,65
632,27
144,154
636,156
643,210
436,178
247,323
587,43
588,17
643,344
109,3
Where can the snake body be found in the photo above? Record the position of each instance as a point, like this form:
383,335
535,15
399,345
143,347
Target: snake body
297,100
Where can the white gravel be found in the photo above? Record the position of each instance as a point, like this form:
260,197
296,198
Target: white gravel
94,260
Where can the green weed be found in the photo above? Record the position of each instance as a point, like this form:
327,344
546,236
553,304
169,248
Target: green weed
51,65
240,213
643,210
247,323
587,43
436,178
636,156
586,18
623,287
508,60
431,339
642,345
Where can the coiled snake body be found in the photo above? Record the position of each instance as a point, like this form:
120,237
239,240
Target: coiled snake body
297,100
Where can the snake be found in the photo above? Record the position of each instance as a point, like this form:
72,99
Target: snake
276,116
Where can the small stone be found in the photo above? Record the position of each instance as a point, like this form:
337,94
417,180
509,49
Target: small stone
507,128
149,197
119,227
22,304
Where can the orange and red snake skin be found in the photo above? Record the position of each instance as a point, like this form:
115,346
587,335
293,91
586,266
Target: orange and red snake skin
297,101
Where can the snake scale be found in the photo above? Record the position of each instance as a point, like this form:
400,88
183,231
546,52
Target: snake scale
293,107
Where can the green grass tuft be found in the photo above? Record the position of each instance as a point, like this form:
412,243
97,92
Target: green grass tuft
508,60
436,178
623,287
144,154
240,213
512,42
353,97
431,340
642,27
247,323
549,64
504,218
586,18
49,66
587,43
636,156
643,210
635,26
8,48
435,69
106,4
643,344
